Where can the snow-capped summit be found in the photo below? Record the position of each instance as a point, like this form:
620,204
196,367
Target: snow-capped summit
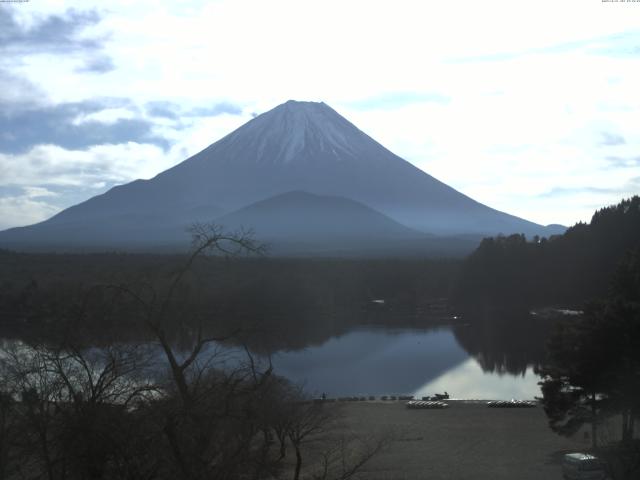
294,132
291,131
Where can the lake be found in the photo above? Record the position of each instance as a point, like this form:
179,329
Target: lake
479,357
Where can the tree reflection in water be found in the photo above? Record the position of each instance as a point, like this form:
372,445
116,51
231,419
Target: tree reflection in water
505,341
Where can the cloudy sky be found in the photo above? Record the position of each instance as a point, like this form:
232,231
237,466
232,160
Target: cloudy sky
529,107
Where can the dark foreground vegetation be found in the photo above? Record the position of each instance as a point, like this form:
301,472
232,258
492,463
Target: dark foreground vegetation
591,373
156,366
154,410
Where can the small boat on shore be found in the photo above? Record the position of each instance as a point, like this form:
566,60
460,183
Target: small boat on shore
425,405
512,404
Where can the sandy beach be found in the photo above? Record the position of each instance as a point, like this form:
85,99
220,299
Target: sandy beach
467,440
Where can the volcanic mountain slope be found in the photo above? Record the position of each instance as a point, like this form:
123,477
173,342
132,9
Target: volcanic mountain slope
296,147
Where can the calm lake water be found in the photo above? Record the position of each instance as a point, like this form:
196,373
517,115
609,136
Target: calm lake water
383,361
485,358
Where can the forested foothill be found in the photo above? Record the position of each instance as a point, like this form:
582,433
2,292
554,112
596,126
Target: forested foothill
563,270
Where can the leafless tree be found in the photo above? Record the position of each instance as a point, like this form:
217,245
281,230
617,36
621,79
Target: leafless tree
8,456
73,405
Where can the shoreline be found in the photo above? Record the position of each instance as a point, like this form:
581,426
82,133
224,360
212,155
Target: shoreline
390,399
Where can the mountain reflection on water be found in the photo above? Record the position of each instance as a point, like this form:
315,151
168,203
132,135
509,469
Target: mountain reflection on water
421,362
377,361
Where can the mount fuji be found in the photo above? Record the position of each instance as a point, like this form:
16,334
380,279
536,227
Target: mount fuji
297,174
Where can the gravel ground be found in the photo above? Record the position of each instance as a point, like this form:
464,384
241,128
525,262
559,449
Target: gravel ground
464,441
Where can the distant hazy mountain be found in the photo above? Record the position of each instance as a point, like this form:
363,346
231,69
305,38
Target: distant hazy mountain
304,216
296,147
304,222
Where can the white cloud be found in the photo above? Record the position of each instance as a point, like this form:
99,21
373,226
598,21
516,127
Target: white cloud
53,165
25,208
108,116
38,192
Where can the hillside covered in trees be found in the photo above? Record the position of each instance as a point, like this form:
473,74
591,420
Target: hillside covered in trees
564,270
